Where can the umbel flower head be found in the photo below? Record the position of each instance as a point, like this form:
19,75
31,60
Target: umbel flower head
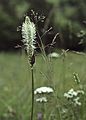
41,99
44,90
29,35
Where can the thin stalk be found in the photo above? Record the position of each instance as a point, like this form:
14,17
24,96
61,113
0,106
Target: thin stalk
32,110
64,72
75,114
42,46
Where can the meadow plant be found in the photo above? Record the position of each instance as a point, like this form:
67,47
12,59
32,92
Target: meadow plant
43,90
76,78
54,55
29,35
42,99
63,56
75,100
74,96
41,95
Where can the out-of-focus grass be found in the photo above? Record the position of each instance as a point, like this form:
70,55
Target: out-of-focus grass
14,83
15,79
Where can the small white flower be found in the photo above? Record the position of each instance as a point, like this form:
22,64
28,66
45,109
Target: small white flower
70,94
42,99
80,92
76,101
54,55
43,90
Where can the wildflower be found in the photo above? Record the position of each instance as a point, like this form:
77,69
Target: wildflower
54,55
76,101
67,96
29,35
43,90
80,92
74,96
70,94
42,99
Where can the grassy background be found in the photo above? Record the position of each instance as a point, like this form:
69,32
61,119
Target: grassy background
15,79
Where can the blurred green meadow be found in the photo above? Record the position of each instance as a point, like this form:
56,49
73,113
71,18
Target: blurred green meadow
15,80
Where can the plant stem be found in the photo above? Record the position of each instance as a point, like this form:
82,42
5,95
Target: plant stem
32,93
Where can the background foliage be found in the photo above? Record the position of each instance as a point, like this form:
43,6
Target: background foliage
65,16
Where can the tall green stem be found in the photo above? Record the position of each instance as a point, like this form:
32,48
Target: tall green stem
32,110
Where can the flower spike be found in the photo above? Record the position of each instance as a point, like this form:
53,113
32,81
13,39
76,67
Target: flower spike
29,35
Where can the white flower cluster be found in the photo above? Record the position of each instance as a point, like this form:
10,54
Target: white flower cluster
76,101
54,55
70,94
74,96
42,99
43,90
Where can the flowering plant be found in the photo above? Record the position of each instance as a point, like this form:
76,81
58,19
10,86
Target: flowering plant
29,35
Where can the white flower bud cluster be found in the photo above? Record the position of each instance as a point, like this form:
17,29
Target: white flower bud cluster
74,96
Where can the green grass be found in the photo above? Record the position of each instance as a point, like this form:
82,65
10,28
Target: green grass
15,80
